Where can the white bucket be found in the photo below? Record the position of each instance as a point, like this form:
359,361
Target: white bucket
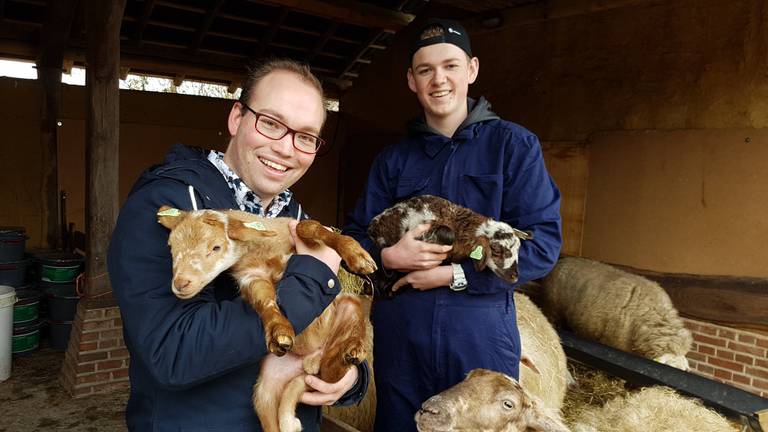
7,300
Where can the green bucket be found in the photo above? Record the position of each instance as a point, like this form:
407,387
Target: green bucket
26,337
59,274
27,307
59,267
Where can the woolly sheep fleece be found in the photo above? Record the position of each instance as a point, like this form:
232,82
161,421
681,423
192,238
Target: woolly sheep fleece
651,409
619,309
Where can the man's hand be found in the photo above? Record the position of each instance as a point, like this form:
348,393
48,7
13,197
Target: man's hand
409,254
328,393
423,280
323,253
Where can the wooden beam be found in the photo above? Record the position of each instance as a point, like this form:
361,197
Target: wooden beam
273,27
322,41
102,149
346,11
739,302
212,13
366,45
149,5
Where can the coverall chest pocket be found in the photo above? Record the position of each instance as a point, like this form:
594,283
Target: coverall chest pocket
482,193
408,187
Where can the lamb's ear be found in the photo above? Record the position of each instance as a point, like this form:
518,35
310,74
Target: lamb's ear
237,230
213,219
169,217
526,361
480,253
538,420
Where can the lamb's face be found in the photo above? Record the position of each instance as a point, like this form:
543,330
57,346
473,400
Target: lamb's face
674,360
201,250
484,401
504,244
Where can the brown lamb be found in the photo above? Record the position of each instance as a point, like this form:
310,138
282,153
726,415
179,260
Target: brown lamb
256,249
489,242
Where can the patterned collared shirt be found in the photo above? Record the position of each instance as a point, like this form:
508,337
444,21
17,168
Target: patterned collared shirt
246,199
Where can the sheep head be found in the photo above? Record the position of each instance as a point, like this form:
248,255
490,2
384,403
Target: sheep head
485,401
203,244
497,248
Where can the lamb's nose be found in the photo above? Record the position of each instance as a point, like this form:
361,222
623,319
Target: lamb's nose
181,283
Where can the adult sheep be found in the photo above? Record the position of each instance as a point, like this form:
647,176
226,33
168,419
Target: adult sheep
622,310
651,409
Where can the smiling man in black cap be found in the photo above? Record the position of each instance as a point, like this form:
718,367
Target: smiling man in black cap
453,318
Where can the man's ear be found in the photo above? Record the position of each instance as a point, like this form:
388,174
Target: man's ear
237,230
169,217
234,119
473,69
411,80
482,251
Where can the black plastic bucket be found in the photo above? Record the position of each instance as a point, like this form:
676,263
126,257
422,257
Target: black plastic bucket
59,333
13,240
14,273
62,302
59,267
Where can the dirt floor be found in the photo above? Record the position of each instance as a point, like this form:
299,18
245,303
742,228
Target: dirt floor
32,400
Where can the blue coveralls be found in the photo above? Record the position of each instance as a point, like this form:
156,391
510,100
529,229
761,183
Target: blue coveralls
426,341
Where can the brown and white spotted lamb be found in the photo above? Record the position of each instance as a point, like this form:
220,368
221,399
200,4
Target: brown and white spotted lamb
205,243
490,243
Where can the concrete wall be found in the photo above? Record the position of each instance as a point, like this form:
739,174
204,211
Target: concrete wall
644,108
150,124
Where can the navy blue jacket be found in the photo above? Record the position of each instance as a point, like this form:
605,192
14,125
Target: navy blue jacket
194,362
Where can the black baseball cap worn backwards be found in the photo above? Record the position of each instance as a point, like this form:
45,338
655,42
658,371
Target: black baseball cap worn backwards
453,33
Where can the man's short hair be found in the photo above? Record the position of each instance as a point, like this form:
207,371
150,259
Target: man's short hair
258,71
438,30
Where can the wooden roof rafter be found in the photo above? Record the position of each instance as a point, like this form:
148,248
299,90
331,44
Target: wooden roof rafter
360,14
212,13
149,6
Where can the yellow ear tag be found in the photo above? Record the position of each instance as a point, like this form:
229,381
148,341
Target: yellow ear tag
477,253
169,212
258,226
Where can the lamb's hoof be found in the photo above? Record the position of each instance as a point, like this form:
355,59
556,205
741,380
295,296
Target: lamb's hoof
360,262
280,344
291,424
354,354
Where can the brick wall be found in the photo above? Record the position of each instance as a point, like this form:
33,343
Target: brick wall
732,356
96,359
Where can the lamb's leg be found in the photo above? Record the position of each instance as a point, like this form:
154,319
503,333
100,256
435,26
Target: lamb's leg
358,260
346,346
288,401
265,403
278,331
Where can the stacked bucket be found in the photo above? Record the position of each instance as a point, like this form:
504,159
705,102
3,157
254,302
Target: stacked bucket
15,295
58,272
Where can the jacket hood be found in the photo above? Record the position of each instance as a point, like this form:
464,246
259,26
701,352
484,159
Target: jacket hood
478,111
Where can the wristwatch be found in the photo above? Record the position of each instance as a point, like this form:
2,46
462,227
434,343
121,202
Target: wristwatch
459,282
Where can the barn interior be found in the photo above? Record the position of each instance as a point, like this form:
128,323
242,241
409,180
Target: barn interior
652,117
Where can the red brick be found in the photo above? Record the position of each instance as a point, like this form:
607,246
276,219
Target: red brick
92,378
727,364
758,352
706,329
706,350
763,385
110,334
98,325
760,373
741,379
94,315
87,346
728,355
696,356
723,374
120,374
762,343
690,325
86,368
109,364
88,337
747,339
761,363
112,313
708,340
119,353
727,334
105,344
741,358
709,370
84,358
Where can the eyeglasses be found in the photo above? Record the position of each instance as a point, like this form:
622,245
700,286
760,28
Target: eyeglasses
273,128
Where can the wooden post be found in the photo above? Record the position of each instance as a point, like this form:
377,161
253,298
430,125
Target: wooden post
103,20
49,64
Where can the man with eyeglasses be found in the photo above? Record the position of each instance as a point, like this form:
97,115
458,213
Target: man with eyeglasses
194,362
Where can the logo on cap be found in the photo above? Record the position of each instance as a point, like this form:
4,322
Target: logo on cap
450,30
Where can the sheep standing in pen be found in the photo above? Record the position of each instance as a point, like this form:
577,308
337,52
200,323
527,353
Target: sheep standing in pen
486,401
205,243
490,243
625,311
651,409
